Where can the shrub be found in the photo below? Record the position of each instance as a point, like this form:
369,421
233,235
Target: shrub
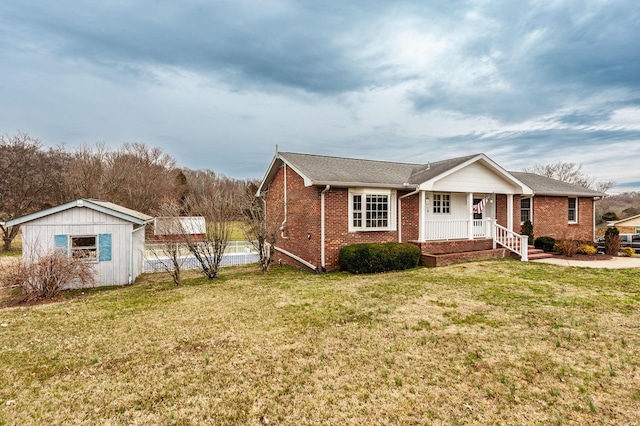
527,229
566,247
612,241
627,251
44,277
545,243
369,258
587,249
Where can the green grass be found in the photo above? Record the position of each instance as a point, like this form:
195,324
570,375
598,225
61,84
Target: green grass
493,342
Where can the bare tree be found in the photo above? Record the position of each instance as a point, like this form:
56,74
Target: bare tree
218,206
263,235
30,179
168,252
135,175
570,173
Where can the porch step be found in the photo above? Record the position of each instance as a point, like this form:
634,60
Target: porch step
435,260
534,253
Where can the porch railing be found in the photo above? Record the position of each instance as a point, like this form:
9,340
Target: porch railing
456,229
517,243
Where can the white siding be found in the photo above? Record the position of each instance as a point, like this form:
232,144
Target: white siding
460,210
475,178
38,238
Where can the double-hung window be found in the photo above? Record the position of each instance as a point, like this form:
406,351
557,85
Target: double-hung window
525,210
441,203
371,210
573,210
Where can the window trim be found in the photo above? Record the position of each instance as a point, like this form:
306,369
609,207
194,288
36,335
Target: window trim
441,208
96,246
529,209
575,210
363,193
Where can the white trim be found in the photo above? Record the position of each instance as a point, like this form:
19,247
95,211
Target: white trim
81,203
524,189
572,222
391,209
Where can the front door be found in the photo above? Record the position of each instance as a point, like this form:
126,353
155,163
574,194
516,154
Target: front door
478,224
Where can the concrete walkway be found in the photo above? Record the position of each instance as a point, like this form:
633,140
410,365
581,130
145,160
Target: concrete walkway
613,263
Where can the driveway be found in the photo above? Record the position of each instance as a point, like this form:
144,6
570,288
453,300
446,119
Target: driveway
613,263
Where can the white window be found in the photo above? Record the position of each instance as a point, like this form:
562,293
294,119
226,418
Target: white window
371,210
442,203
84,247
525,210
573,210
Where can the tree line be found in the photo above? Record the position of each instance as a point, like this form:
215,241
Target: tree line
143,178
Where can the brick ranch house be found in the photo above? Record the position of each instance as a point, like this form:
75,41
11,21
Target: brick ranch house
321,204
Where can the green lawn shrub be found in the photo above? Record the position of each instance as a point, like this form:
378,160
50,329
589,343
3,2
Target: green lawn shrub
545,243
368,258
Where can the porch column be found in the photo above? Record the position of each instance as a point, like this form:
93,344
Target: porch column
510,212
470,213
422,206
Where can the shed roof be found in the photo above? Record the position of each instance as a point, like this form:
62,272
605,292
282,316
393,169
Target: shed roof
97,205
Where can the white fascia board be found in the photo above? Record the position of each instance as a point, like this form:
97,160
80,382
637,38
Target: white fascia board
72,204
305,178
41,213
268,176
368,185
111,212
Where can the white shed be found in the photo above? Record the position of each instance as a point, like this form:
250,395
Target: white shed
109,235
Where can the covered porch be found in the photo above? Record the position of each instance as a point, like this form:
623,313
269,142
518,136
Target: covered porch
459,222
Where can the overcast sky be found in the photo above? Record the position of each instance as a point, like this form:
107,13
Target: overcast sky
218,84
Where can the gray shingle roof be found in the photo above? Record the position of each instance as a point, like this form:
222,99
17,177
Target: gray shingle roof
543,185
322,170
351,172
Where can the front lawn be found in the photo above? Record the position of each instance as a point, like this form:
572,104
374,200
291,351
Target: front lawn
493,342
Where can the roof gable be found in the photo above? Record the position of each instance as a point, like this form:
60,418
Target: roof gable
97,205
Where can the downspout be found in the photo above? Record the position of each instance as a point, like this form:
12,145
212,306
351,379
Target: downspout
415,191
284,222
131,253
322,258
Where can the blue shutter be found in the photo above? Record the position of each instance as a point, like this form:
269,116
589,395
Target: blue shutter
104,247
61,241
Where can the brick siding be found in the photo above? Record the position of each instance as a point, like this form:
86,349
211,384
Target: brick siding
550,218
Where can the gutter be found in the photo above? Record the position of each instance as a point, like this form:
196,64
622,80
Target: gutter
284,222
415,191
131,252
322,257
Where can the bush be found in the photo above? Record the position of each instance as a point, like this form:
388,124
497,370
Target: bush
612,241
545,243
44,277
566,247
627,251
527,229
587,249
370,258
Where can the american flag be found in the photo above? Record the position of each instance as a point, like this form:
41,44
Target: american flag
477,208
